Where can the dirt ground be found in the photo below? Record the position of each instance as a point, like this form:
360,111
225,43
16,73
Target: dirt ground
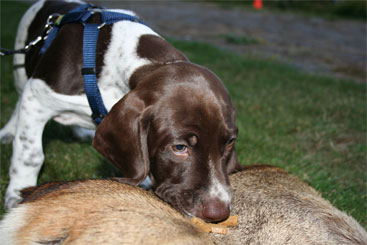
318,45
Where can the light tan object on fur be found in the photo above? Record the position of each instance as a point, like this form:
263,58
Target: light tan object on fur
208,227
231,221
277,208
96,212
201,224
220,228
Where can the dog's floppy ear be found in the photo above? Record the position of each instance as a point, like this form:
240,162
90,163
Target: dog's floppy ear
122,138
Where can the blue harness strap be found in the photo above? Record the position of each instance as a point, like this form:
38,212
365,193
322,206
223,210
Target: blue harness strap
75,15
81,14
89,72
110,17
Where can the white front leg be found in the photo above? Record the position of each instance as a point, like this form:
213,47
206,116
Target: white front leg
7,133
27,158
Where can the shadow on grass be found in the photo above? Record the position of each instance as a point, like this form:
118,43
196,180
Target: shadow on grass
56,135
54,130
107,170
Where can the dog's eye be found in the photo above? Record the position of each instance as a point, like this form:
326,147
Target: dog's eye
230,143
179,149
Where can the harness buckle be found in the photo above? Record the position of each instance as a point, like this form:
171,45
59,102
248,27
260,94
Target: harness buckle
50,17
33,43
101,25
89,71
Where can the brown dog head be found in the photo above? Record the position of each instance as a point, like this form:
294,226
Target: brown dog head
176,125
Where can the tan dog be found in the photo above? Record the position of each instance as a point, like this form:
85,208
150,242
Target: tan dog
277,208
95,212
273,207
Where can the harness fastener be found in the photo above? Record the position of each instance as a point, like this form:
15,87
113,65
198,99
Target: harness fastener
101,25
33,43
89,71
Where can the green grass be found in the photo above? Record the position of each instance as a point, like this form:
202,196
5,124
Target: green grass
312,126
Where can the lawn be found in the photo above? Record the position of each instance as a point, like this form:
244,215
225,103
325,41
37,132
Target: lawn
312,126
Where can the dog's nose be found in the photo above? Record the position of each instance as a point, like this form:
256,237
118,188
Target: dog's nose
215,210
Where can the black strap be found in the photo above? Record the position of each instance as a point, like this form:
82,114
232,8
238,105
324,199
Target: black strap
4,51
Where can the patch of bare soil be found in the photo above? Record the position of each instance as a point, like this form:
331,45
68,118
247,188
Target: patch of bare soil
332,47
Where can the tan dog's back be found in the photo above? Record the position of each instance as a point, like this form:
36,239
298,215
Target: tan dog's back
96,212
277,208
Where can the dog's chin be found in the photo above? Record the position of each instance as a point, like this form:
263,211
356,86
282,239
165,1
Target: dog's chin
188,212
194,213
191,214
185,211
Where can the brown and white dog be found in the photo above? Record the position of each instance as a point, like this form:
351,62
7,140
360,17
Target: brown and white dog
169,119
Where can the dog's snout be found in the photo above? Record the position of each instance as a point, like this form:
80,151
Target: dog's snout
215,210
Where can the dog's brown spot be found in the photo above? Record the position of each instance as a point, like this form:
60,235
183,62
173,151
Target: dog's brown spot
60,66
36,28
31,164
158,50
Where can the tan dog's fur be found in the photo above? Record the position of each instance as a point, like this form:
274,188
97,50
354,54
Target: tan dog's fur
277,208
273,208
96,212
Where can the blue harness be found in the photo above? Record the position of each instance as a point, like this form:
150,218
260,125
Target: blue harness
81,14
